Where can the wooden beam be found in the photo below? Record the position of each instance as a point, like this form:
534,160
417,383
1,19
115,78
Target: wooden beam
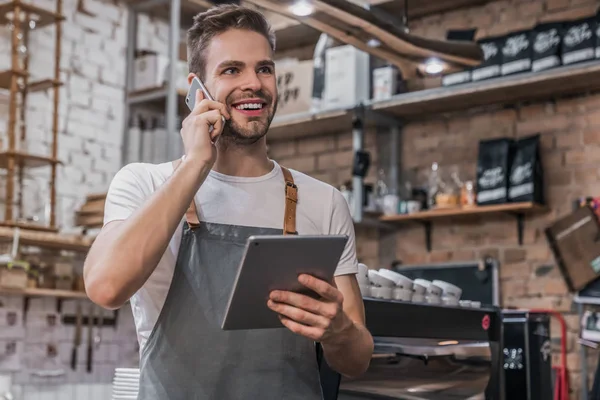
468,54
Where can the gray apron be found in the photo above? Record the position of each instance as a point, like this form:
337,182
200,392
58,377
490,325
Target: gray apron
188,356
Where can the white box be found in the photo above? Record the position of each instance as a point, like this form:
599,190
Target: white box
294,86
182,84
346,77
385,82
150,71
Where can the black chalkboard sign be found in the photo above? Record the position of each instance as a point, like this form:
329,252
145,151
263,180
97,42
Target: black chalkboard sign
478,280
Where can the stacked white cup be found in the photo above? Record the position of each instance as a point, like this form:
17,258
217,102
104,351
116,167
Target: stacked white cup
420,287
381,287
403,286
363,280
450,293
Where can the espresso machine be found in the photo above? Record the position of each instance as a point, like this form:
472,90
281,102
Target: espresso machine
432,351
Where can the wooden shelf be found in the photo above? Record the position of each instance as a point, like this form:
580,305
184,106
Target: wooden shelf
465,211
157,97
35,292
28,226
6,76
44,84
527,86
34,86
44,17
518,210
566,80
47,240
25,160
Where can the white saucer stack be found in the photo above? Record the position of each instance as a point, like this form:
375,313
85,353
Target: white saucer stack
126,384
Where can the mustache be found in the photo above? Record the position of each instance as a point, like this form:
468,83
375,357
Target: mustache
260,94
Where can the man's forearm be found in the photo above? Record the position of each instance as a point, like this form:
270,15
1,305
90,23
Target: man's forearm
122,258
350,354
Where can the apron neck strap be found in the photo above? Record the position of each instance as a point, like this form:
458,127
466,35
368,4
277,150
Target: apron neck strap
291,198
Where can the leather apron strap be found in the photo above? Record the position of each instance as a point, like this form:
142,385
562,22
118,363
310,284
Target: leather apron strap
291,198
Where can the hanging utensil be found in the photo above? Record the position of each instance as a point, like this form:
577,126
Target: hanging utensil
77,339
98,336
90,347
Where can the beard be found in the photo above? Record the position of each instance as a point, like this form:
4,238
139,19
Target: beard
251,129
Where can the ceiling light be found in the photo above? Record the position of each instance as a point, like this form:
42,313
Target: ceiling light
373,43
433,66
302,8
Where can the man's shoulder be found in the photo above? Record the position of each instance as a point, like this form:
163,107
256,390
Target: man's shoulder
305,180
318,191
145,174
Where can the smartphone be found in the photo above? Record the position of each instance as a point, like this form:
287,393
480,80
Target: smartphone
190,98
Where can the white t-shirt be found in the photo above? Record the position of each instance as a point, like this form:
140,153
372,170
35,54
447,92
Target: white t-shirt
257,201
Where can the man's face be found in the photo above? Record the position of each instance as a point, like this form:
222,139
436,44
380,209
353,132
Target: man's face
240,73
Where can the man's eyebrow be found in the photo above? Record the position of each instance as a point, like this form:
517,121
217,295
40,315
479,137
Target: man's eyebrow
269,63
230,63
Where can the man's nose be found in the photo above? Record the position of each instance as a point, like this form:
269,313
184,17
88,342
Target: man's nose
251,82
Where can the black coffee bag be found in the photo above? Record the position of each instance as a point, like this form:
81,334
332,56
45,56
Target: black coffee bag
492,59
546,46
579,41
516,52
598,34
526,181
493,166
460,77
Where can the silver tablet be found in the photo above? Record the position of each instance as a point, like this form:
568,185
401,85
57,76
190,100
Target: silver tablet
274,263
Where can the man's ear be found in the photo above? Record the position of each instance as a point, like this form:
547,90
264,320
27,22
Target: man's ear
191,76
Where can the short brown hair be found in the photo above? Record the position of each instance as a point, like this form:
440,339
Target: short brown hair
217,20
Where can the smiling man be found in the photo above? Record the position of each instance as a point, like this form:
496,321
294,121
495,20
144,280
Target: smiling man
173,237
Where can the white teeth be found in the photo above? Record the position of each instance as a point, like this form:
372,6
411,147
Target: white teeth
249,106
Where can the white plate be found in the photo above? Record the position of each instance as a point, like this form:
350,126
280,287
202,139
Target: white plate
125,387
122,386
134,370
129,376
127,381
125,393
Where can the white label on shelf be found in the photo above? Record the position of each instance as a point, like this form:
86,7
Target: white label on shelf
491,195
457,78
516,66
579,55
486,72
520,190
545,63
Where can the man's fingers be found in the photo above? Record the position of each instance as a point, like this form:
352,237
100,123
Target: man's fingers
321,287
205,105
299,315
304,302
307,331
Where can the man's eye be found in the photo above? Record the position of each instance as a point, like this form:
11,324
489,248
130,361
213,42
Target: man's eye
266,70
230,71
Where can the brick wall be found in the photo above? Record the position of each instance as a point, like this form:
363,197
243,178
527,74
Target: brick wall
90,139
570,131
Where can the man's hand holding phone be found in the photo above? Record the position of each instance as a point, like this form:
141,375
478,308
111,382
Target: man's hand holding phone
198,139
